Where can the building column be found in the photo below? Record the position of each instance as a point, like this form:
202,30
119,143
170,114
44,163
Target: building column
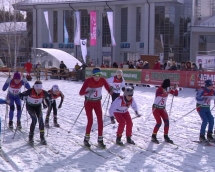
151,28
145,27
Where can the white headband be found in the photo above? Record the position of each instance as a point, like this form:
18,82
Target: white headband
38,86
55,88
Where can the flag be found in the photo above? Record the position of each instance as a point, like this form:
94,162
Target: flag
110,21
84,49
93,28
66,35
77,30
46,15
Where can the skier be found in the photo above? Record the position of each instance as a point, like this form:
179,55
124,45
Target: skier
14,88
203,97
55,93
119,110
116,82
159,109
34,97
92,89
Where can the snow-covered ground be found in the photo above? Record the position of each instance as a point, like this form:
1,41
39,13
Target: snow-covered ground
189,156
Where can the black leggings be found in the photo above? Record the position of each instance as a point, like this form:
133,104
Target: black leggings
35,113
54,107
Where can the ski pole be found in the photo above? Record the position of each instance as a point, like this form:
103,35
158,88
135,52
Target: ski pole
49,111
107,105
79,114
17,125
104,100
5,121
0,133
171,106
186,114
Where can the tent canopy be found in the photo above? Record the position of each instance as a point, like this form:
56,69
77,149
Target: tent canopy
50,57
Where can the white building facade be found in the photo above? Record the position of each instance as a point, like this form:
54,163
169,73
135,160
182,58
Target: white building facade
169,27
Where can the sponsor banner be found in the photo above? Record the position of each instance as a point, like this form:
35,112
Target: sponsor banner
93,28
84,49
207,61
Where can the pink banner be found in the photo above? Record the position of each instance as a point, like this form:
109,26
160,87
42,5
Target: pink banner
93,28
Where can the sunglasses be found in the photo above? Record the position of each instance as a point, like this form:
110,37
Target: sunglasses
130,95
129,90
98,75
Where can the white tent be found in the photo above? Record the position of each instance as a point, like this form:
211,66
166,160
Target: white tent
50,57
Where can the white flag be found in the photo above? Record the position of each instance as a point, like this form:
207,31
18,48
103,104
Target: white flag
46,15
84,49
78,29
66,35
110,21
161,37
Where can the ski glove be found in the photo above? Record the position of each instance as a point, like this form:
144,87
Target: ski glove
24,79
137,114
91,91
112,120
22,97
60,105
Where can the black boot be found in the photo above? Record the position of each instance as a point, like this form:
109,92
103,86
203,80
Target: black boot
118,141
11,125
86,141
19,126
31,138
47,123
167,139
210,137
42,139
154,139
202,138
130,141
55,122
101,143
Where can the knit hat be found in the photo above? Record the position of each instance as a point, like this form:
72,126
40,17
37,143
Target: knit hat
96,71
208,83
119,72
55,88
166,83
17,76
128,91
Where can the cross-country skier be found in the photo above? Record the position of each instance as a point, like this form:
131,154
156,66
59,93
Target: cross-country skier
203,97
92,89
55,93
116,82
34,98
119,110
159,109
14,88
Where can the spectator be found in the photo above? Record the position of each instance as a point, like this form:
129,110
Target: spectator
121,65
103,65
28,67
183,66
173,67
200,67
131,66
168,65
157,65
115,65
146,65
194,67
188,65
165,64
77,67
38,69
62,69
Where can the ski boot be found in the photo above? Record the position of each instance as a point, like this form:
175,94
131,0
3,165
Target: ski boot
101,143
210,137
118,141
11,125
86,141
130,141
19,126
154,139
55,122
42,139
31,138
167,139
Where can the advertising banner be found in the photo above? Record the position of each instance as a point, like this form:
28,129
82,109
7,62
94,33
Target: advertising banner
207,61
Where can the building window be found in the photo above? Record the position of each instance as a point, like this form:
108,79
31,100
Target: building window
55,26
85,25
69,23
138,23
124,24
106,38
